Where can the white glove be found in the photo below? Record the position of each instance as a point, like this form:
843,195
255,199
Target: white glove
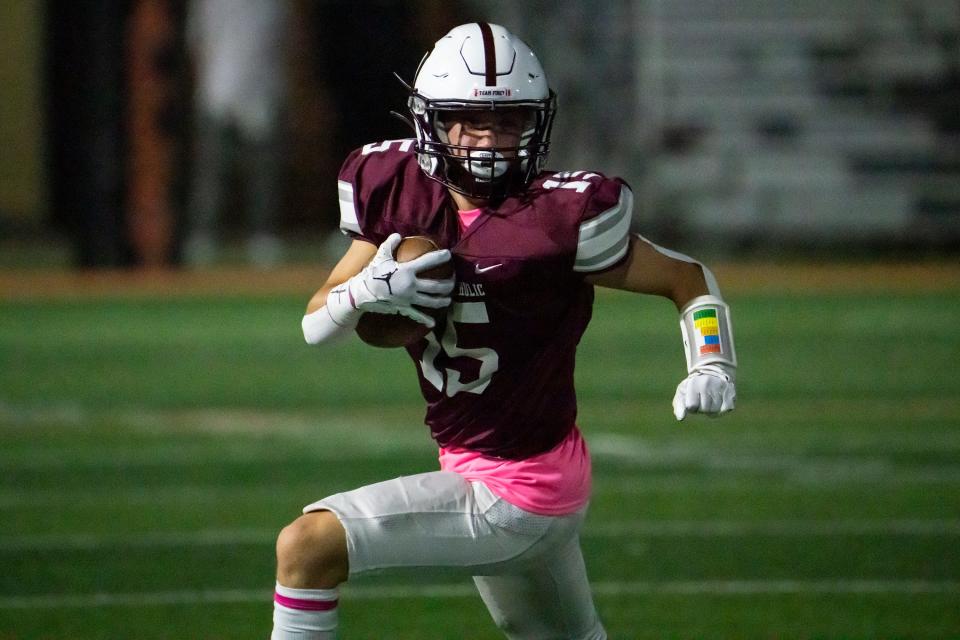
709,389
388,286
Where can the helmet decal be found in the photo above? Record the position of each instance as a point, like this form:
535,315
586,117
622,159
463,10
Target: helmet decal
489,54
505,92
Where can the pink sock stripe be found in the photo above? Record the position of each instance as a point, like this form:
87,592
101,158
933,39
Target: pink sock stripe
304,605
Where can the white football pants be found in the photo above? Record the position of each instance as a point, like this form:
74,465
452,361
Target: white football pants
528,568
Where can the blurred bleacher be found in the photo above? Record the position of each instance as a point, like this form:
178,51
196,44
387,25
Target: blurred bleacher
804,121
742,125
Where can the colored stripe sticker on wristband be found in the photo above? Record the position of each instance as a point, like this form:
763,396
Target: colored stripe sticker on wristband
708,331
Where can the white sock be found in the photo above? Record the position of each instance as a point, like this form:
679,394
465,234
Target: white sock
304,614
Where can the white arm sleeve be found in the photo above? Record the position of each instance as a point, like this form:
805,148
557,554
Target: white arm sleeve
711,280
319,327
338,317
698,355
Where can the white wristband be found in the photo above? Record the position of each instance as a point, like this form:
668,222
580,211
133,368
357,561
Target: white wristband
338,316
342,305
319,327
707,333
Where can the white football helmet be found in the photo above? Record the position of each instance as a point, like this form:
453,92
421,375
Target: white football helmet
481,67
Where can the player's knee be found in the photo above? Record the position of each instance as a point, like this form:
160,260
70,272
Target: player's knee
312,552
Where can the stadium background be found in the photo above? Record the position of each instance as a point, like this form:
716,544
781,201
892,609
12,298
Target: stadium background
159,423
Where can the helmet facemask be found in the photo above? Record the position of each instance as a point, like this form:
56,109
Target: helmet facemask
482,172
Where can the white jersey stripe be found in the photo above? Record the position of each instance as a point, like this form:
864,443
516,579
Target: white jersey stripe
611,216
348,211
605,239
605,259
588,250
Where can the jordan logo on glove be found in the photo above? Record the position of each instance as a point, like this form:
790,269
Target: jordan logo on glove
386,280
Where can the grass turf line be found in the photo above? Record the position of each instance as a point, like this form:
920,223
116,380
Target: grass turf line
203,414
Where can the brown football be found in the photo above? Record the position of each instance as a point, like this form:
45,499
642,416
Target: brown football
392,330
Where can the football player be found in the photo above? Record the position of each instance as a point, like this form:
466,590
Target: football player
527,246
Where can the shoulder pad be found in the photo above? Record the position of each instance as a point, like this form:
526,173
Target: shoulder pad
591,193
376,160
366,172
605,213
383,190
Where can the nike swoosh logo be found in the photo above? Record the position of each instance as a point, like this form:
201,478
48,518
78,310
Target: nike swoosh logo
478,269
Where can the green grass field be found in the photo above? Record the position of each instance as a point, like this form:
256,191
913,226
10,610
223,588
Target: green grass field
151,448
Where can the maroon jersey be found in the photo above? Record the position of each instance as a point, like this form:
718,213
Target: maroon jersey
498,373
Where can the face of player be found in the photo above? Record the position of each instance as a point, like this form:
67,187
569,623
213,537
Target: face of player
487,140
487,129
